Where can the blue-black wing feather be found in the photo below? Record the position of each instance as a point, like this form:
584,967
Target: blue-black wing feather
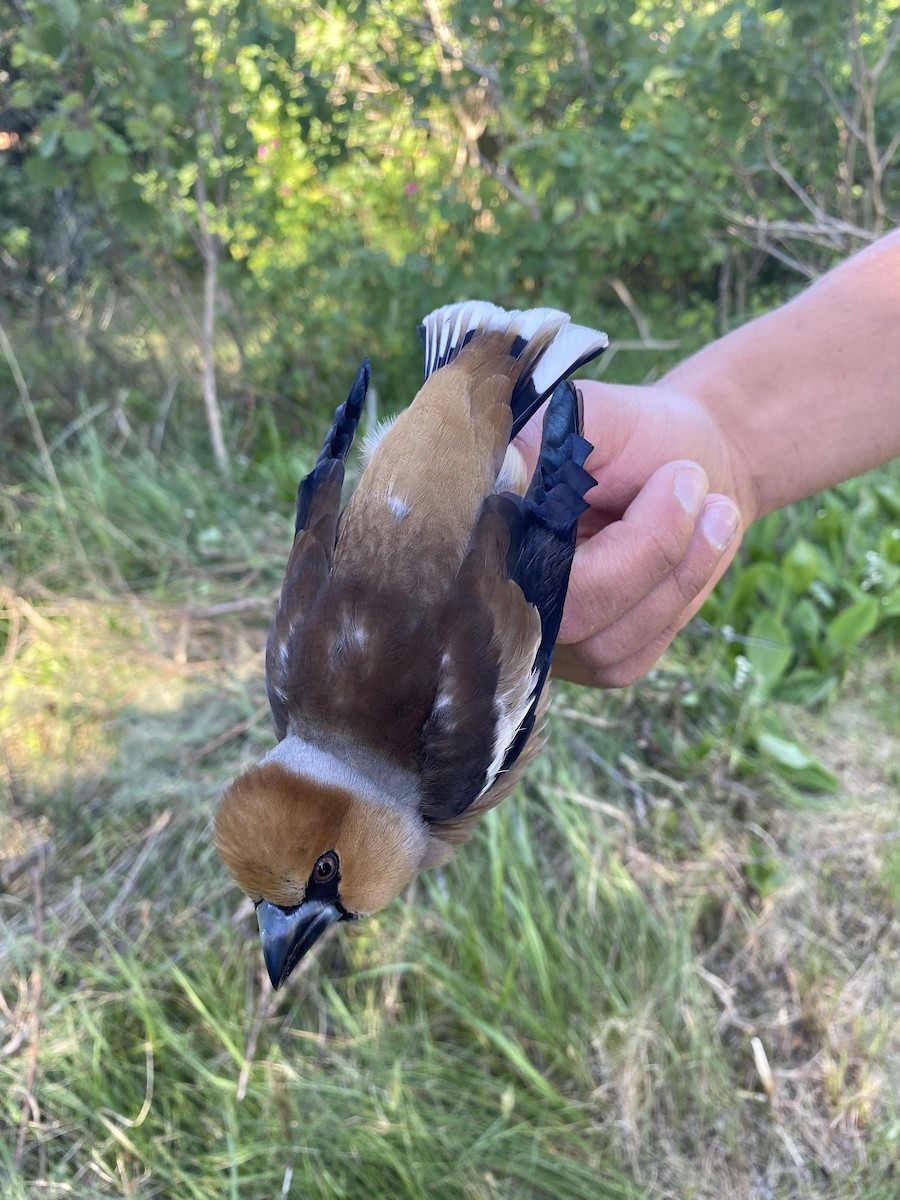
543,533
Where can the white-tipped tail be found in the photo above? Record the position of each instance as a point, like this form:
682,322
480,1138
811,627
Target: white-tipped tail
447,330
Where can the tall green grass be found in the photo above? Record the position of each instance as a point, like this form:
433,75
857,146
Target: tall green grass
564,1012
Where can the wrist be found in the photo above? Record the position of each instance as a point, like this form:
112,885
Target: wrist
721,450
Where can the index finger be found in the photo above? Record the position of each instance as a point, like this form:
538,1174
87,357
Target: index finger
616,568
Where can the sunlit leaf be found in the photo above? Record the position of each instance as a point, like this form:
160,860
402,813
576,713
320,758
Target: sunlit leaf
853,623
804,769
769,648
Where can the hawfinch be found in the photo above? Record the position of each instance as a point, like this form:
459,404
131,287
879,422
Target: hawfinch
408,658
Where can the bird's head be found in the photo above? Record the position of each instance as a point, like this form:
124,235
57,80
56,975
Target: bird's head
310,854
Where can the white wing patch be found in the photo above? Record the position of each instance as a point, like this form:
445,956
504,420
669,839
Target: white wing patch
513,475
398,506
515,695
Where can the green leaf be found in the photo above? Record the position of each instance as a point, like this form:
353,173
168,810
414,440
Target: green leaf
889,497
67,11
759,579
52,40
816,778
764,871
45,172
805,621
769,649
800,767
49,140
109,169
162,115
79,142
853,623
141,131
801,565
172,49
808,686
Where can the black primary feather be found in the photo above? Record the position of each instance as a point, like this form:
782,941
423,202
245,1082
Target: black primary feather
336,446
542,541
308,571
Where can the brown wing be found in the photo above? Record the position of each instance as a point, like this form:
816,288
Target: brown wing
490,638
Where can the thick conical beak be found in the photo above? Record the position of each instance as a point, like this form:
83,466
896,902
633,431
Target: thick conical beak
287,933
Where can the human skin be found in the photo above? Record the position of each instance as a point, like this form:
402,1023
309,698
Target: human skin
795,401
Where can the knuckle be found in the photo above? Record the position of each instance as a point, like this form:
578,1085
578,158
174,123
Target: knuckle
690,578
669,547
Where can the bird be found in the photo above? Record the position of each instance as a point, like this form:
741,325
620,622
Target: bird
408,659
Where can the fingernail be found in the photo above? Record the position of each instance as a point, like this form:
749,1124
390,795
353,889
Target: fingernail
691,486
719,524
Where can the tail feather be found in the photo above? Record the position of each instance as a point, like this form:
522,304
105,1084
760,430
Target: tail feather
545,342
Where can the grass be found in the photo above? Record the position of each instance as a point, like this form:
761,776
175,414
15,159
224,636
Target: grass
659,970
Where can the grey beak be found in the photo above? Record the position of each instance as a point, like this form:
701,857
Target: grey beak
287,933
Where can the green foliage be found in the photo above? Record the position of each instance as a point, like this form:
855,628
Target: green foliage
532,154
811,585
812,582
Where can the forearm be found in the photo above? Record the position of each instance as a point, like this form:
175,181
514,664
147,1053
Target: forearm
809,394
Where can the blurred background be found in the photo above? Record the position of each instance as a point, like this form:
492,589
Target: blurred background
668,966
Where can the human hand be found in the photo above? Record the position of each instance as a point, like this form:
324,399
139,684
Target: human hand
666,519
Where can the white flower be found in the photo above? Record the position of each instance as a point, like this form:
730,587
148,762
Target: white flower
874,574
743,672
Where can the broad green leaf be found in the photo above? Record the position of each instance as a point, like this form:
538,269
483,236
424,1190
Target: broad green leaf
852,624
889,545
563,210
79,142
805,620
52,40
49,140
801,565
816,778
108,169
804,770
889,497
67,11
769,649
45,172
809,686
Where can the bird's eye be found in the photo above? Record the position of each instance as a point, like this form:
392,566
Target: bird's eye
326,868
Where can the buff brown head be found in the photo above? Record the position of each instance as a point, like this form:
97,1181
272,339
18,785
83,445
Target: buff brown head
311,853
407,663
